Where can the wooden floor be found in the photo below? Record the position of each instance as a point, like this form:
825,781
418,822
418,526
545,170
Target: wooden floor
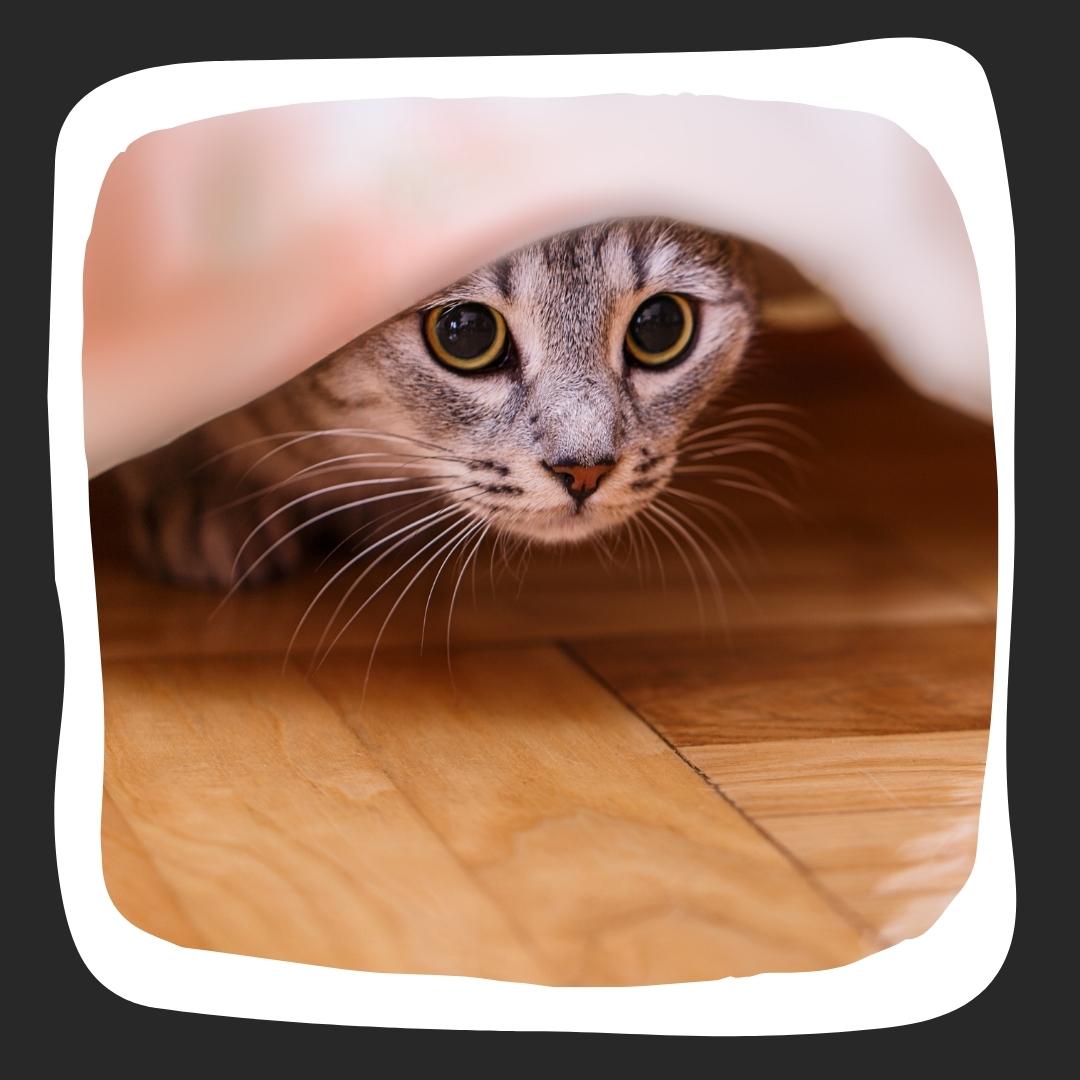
603,792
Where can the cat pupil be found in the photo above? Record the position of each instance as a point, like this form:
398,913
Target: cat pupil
466,331
657,324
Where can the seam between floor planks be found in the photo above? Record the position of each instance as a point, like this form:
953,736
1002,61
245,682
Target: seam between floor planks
487,850
853,919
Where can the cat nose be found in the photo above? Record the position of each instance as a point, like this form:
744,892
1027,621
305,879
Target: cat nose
581,480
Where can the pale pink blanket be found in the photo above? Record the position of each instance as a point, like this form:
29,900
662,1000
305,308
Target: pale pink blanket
229,254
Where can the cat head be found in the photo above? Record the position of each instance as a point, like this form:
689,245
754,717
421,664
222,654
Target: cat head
552,386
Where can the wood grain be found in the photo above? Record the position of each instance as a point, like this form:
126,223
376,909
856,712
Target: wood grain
897,868
135,884
279,835
834,682
874,772
583,824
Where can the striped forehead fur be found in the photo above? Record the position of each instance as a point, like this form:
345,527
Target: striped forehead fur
630,254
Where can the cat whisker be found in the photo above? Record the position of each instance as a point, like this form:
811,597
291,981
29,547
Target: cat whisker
631,535
722,470
508,544
597,543
398,458
385,519
729,470
321,492
621,548
486,526
764,436
397,603
668,513
658,523
309,522
463,515
725,449
767,406
246,445
312,472
348,433
765,493
496,548
523,566
313,433
654,547
412,529
455,524
714,508
713,546
747,422
514,546
434,583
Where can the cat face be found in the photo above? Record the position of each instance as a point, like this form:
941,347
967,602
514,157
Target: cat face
554,385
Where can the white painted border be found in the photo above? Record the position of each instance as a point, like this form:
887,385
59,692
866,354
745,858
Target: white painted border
948,108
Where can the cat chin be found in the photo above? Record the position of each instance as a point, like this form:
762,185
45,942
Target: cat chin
559,530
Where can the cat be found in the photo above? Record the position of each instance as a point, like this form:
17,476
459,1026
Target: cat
543,396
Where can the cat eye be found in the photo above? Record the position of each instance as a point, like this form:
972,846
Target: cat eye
466,337
660,330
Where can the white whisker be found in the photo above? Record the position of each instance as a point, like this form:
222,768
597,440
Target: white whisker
651,511
753,446
461,538
765,493
388,519
651,541
311,521
457,585
413,528
746,422
765,406
356,614
713,546
668,513
389,615
375,436
715,509
324,469
313,433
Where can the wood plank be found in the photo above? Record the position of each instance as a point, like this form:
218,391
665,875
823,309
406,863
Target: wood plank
135,886
789,684
898,868
871,772
614,857
277,833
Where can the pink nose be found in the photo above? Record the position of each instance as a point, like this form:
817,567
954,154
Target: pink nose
582,480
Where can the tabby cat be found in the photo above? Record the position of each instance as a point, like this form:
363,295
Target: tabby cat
543,396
